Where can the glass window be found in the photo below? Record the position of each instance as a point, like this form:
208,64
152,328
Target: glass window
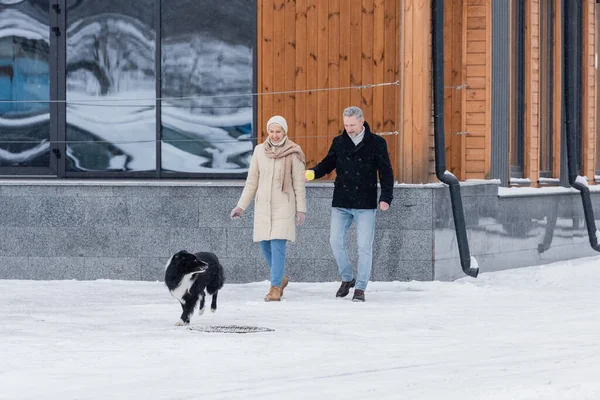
111,85
207,81
24,84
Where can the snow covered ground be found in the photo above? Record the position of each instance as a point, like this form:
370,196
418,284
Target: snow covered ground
531,333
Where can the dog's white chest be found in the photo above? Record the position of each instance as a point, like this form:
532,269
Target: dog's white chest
186,283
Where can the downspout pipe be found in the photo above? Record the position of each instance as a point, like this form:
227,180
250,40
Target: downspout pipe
468,263
571,52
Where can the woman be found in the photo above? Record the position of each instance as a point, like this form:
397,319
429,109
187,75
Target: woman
276,182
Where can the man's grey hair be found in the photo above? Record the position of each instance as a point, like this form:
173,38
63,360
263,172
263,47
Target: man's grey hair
353,111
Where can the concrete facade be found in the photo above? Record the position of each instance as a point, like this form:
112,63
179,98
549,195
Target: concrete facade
128,230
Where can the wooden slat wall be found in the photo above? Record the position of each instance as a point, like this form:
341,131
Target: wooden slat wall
431,146
416,92
477,97
453,77
532,91
589,90
309,44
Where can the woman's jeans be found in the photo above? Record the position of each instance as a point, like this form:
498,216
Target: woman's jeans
364,221
274,253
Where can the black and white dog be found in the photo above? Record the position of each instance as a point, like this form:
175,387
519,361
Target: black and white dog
187,275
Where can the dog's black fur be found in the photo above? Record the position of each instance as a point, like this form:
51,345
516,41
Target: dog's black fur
187,275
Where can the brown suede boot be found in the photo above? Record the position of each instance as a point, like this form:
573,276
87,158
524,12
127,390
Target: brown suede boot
284,283
274,294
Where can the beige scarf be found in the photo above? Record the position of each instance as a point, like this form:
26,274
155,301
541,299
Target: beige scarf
286,150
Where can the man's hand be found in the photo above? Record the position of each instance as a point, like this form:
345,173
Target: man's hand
236,213
300,218
383,206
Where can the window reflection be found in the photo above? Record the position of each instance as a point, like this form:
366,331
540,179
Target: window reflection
111,117
207,56
25,84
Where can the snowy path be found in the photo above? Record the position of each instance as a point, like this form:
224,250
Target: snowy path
532,333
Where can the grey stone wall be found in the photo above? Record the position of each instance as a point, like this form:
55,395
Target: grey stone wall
121,230
513,228
128,230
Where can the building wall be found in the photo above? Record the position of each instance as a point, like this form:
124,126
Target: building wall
589,89
416,101
476,109
477,97
308,44
532,90
454,78
119,230
511,228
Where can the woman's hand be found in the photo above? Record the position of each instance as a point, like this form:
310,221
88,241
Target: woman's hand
236,213
300,216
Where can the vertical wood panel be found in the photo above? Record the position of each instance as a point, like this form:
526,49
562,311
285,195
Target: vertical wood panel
407,92
453,77
290,68
310,44
266,72
278,57
322,81
260,64
467,43
355,50
534,147
390,65
300,75
345,50
476,112
377,64
367,60
335,58
421,108
532,95
588,80
312,74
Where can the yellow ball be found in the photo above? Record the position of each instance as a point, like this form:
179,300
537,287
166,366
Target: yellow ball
310,174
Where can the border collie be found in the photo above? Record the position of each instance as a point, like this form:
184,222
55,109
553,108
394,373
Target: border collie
187,275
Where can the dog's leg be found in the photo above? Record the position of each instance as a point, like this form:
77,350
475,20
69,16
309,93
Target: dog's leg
188,309
202,300
213,304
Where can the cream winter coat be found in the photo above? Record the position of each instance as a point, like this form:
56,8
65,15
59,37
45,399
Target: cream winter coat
274,210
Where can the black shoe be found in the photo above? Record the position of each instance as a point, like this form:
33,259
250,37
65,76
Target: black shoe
359,295
345,288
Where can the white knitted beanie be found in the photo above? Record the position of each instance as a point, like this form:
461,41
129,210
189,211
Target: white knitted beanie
278,120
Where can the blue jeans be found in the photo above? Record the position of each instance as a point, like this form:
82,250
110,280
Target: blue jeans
364,221
274,253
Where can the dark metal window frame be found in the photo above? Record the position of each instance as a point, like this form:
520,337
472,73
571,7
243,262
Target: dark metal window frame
579,83
58,86
517,131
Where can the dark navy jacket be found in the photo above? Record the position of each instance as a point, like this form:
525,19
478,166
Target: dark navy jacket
357,168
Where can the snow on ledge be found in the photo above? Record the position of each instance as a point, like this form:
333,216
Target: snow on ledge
581,180
449,174
520,181
542,191
474,263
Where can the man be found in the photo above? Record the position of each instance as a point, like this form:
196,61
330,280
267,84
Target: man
358,156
